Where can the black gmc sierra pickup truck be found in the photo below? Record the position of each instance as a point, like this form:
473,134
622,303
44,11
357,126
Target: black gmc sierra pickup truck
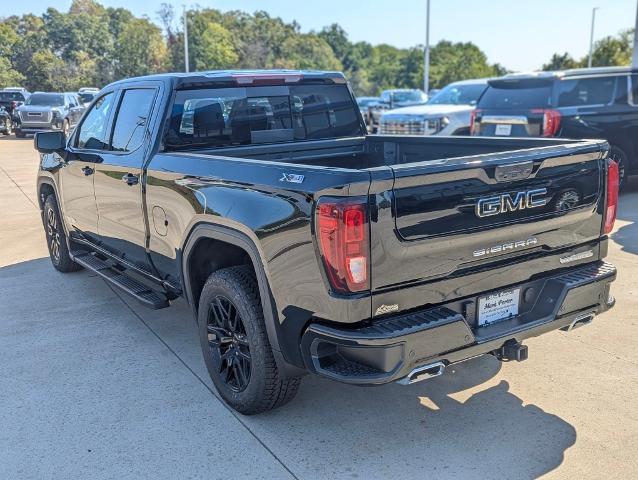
304,245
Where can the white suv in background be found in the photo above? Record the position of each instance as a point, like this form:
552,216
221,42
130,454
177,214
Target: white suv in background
446,113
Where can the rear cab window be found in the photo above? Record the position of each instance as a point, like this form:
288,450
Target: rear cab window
221,117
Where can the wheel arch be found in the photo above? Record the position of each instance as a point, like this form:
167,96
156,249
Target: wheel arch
238,242
46,187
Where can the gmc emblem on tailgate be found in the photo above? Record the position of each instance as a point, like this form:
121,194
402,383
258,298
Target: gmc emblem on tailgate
511,202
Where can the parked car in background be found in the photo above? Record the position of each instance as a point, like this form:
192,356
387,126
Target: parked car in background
364,104
12,97
87,94
580,103
446,113
48,111
6,124
391,99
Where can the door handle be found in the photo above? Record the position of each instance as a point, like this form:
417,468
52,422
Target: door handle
130,179
87,171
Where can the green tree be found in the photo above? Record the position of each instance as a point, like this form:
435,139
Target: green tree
47,72
215,50
140,49
9,77
612,51
451,62
560,62
307,51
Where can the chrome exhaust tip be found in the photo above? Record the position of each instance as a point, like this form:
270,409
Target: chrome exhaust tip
423,372
579,321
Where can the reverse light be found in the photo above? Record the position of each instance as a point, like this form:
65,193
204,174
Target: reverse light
612,196
551,121
342,231
473,125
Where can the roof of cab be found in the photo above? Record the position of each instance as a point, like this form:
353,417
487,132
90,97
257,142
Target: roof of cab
186,79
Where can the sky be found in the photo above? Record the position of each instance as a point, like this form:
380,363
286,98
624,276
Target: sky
521,35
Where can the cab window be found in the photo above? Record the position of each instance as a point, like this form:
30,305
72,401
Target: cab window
132,119
93,131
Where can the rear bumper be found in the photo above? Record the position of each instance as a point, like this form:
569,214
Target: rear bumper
388,349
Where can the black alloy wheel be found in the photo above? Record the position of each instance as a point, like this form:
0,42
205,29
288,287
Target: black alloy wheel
56,237
228,344
53,234
235,344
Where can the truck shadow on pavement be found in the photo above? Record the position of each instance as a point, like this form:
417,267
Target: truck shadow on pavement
465,424
447,427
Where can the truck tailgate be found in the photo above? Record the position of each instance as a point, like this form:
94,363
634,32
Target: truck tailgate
453,217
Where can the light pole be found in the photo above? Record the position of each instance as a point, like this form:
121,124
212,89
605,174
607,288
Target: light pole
591,35
185,39
426,69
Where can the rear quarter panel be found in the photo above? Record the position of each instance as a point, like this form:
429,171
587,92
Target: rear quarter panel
250,197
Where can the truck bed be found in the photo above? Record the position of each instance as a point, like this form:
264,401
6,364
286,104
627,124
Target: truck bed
362,153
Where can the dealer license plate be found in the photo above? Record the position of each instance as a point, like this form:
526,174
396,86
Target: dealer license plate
503,130
498,306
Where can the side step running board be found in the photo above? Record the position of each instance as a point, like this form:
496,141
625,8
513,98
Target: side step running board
148,297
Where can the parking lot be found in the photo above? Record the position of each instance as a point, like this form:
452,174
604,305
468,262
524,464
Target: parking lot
94,386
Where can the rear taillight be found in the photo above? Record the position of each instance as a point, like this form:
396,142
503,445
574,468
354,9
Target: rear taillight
342,232
612,196
473,121
551,121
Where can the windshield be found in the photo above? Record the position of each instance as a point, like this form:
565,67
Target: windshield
221,117
87,97
46,99
411,96
364,102
458,95
11,97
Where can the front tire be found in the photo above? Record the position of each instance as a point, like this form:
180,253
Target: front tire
235,344
56,238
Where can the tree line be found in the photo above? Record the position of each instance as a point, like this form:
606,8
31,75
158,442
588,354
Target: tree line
92,45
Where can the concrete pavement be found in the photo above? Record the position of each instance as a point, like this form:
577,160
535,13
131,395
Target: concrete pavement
94,386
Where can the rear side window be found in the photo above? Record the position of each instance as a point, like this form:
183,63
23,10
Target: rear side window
132,119
255,115
634,90
92,133
585,91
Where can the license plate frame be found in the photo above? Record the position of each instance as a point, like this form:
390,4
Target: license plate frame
498,306
503,130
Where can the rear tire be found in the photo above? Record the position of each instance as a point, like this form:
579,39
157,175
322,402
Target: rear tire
56,238
235,344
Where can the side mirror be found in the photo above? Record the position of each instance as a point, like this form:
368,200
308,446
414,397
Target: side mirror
49,142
